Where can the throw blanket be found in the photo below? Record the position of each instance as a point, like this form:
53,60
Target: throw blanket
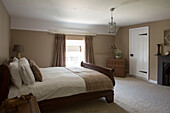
95,81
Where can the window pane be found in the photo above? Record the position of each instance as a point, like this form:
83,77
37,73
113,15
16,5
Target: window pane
75,52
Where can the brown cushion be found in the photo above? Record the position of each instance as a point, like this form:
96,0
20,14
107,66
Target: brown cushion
36,71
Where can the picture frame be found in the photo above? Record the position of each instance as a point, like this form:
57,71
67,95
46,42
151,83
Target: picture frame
167,37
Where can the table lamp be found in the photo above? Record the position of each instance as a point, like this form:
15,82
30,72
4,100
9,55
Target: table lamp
18,49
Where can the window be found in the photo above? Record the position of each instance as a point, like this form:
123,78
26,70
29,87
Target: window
75,52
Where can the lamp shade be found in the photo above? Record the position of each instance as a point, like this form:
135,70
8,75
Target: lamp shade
112,27
18,48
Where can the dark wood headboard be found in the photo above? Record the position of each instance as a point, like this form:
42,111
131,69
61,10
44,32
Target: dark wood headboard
4,82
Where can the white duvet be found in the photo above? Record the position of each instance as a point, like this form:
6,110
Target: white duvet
57,82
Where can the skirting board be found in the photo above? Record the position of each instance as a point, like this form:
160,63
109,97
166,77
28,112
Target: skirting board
137,77
153,81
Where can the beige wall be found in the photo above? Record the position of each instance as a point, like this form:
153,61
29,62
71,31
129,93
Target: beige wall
156,30
122,43
101,45
39,46
4,33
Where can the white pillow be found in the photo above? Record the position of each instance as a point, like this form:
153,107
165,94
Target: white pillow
26,73
15,74
15,59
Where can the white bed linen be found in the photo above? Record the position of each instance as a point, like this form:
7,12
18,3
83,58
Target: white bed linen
57,82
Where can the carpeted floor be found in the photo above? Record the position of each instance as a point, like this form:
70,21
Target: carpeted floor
131,96
143,96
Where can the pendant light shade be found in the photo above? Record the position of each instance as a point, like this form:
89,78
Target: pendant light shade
112,24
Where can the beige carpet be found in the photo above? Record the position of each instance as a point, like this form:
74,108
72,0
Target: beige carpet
143,96
131,96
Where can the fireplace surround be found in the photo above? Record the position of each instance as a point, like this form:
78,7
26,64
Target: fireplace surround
164,70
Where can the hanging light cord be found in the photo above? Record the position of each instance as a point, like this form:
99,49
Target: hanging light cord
112,9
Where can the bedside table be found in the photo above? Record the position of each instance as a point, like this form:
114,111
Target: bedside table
119,65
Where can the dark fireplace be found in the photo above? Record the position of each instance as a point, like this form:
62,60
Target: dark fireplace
164,70
166,78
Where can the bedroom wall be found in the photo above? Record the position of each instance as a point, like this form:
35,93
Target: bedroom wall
156,30
4,33
39,46
101,45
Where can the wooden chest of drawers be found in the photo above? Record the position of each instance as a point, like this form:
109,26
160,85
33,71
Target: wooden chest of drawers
119,65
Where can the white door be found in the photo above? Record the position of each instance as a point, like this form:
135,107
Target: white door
139,52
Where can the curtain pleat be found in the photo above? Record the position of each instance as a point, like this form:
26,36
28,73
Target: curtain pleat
60,51
89,55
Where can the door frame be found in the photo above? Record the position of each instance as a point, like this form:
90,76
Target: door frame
148,34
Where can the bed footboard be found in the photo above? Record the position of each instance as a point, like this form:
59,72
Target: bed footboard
108,72
78,98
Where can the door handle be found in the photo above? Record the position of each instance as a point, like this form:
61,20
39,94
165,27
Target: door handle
143,72
142,34
131,55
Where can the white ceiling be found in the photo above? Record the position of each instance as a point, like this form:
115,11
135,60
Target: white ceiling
93,12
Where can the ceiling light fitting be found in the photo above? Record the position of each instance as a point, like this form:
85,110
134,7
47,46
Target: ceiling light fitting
112,24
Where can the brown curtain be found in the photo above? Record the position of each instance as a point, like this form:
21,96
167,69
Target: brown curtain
89,55
60,51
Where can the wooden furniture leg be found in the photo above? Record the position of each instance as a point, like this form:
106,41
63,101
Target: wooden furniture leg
110,98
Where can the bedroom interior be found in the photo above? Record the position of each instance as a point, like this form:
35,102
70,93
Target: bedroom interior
35,26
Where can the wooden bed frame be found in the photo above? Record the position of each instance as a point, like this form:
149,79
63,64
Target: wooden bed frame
62,101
